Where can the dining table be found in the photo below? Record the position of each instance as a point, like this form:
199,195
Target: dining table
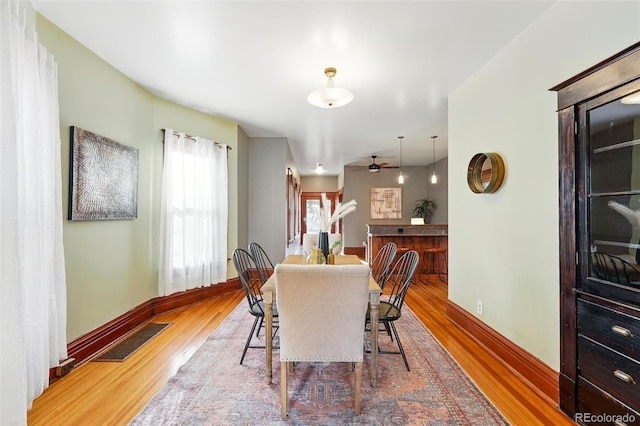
269,295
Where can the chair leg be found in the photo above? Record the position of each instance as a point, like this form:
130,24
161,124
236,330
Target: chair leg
446,267
283,389
386,327
404,357
358,387
246,346
425,257
259,327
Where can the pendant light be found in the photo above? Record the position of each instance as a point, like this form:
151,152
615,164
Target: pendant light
330,96
400,178
434,178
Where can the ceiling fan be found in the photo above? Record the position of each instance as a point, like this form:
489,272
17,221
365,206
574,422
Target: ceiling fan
375,167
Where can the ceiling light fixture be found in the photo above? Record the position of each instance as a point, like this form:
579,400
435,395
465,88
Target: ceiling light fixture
373,167
434,178
400,178
633,98
330,96
319,169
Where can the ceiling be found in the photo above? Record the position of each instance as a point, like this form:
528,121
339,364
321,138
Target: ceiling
255,62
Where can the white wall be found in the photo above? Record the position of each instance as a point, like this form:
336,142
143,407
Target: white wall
504,246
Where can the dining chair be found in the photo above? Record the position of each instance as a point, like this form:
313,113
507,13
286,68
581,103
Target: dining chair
321,311
381,265
251,283
613,268
263,263
310,240
390,310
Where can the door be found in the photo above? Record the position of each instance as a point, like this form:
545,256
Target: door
609,208
311,203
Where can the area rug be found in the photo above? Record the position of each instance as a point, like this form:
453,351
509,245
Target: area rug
123,350
212,388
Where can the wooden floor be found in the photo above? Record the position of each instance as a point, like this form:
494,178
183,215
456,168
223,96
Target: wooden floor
113,393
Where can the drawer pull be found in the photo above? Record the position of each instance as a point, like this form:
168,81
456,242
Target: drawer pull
624,376
619,423
621,331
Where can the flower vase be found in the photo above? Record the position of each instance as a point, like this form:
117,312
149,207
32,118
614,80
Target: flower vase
316,257
323,243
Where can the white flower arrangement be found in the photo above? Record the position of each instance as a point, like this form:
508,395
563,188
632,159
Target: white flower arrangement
633,216
327,219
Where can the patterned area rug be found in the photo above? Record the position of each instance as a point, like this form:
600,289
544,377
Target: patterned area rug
212,388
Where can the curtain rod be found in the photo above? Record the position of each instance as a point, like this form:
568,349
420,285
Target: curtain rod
193,138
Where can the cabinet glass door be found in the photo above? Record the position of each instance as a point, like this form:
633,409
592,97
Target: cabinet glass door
612,202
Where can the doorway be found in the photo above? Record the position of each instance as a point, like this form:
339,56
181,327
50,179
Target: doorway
311,203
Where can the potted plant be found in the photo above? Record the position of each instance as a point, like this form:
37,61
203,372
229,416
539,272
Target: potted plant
425,207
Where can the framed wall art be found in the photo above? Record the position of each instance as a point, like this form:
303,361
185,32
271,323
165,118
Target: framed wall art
386,203
103,178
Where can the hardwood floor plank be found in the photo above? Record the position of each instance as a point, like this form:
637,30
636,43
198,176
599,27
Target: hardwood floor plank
506,390
113,393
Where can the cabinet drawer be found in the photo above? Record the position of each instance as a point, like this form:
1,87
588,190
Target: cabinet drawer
617,330
594,403
613,372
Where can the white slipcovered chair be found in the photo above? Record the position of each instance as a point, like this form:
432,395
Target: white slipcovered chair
310,240
321,310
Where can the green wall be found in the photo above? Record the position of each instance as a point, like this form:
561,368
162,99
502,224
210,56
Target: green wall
503,247
112,266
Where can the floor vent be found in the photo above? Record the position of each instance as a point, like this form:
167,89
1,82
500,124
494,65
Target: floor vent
129,345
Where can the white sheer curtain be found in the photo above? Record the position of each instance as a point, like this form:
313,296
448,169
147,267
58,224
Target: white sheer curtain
32,276
193,218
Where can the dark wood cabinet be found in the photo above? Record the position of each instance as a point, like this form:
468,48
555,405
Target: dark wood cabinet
599,165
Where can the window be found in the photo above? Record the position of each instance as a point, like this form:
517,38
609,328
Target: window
194,214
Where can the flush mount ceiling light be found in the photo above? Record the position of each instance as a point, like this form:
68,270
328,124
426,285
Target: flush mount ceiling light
319,169
633,98
330,96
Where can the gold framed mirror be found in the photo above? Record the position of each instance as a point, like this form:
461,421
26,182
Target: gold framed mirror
485,173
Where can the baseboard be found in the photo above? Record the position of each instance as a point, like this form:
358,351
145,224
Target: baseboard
543,379
185,298
85,346
93,342
359,251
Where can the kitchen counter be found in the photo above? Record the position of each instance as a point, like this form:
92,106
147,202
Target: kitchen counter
406,237
406,229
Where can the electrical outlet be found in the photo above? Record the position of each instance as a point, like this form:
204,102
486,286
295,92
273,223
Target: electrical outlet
480,307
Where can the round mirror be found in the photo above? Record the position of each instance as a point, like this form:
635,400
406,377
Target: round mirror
485,173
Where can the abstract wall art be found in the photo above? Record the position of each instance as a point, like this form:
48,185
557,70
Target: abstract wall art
103,178
386,203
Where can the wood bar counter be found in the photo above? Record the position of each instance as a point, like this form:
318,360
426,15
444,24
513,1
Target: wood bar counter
413,237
